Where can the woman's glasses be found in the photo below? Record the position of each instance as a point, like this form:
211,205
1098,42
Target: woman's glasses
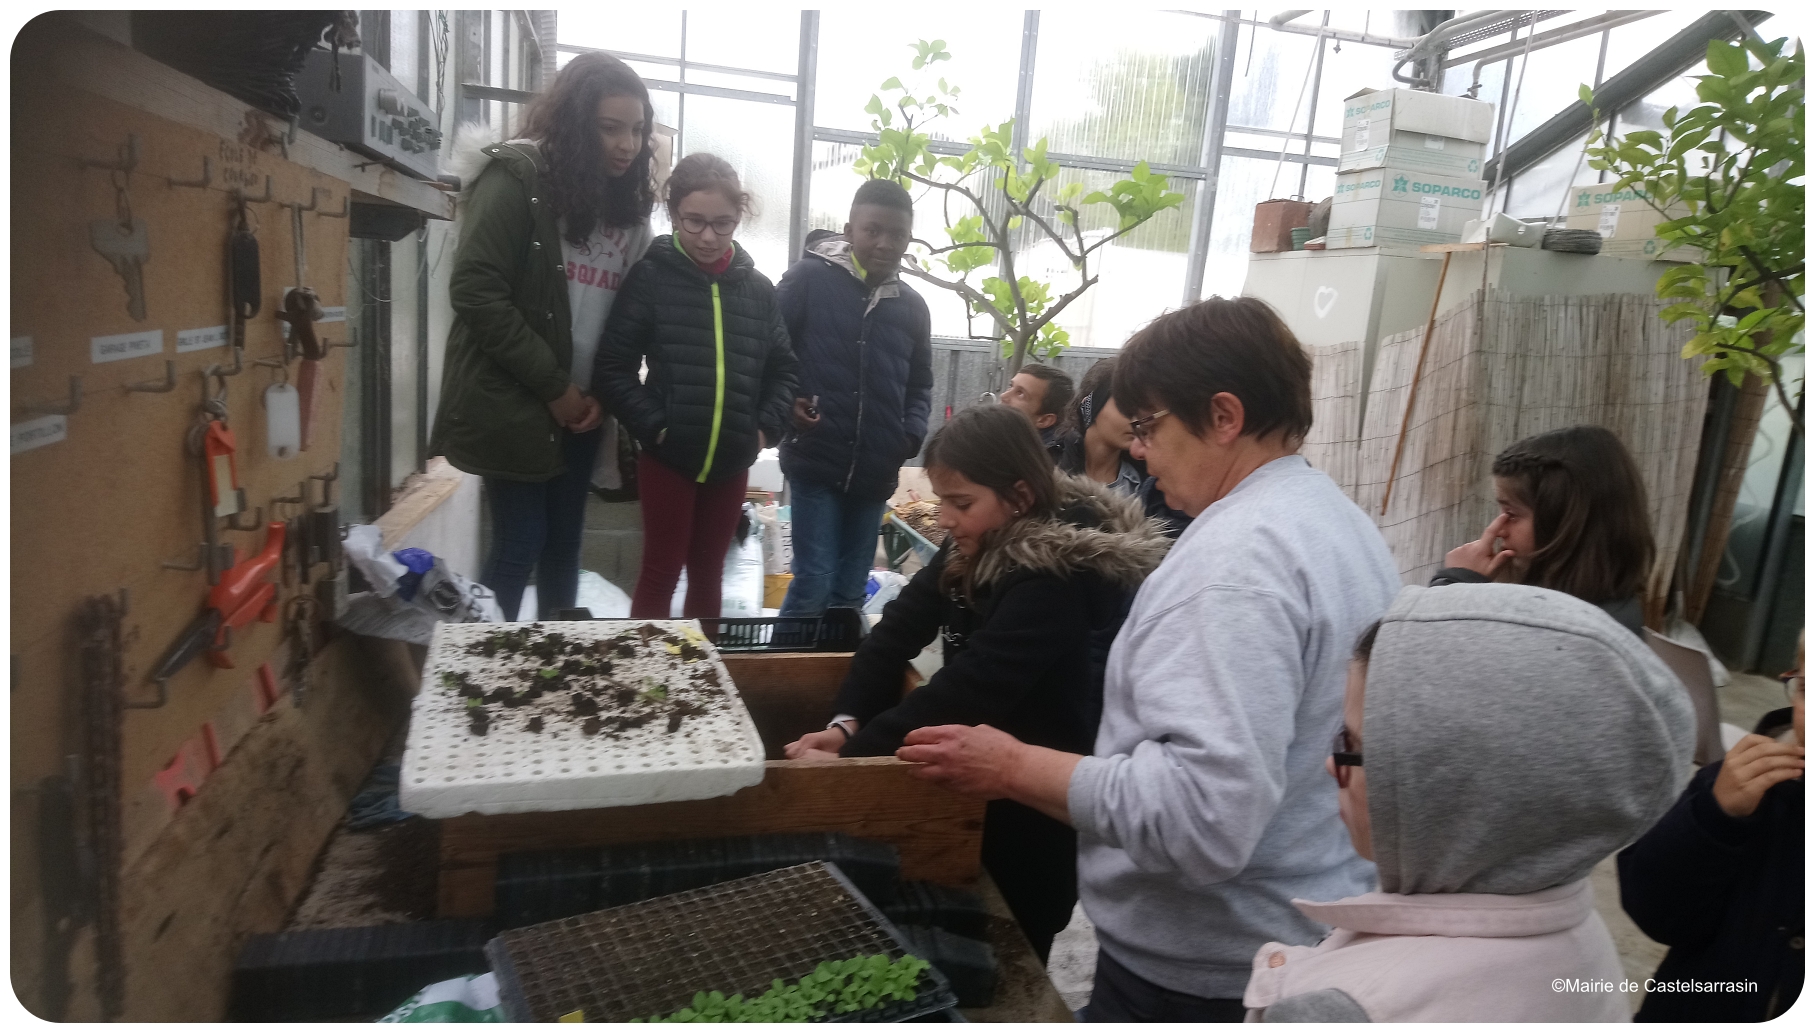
1345,753
695,224
1144,426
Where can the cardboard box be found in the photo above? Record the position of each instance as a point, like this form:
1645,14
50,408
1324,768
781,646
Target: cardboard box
1620,214
1413,156
1364,136
1274,222
1414,111
1401,207
1649,247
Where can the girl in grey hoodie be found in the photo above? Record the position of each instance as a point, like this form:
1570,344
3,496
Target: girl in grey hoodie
1498,741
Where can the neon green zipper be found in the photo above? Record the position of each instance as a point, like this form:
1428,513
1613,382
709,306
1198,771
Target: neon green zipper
718,393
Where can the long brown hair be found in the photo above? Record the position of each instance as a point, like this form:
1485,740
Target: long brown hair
996,447
1589,517
563,120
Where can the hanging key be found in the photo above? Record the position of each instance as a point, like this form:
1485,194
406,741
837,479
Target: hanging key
127,247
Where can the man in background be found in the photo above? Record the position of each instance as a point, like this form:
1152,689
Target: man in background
1042,392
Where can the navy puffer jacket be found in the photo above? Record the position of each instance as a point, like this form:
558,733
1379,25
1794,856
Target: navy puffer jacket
720,367
867,354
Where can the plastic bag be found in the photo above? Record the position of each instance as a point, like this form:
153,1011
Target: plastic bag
777,537
741,584
466,999
883,587
412,590
604,599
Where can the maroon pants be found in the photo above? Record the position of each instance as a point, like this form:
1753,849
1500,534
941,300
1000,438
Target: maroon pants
685,523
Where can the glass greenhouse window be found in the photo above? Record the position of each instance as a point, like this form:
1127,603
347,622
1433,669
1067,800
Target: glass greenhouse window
1132,90
754,138
1628,43
632,28
742,39
1540,191
859,48
1270,69
1241,184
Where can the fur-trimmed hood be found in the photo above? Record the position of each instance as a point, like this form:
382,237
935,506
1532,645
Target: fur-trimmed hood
1096,530
467,156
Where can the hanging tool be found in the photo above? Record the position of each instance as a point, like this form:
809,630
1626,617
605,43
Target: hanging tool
100,852
296,533
301,615
308,379
283,418
244,289
126,245
302,307
324,523
246,593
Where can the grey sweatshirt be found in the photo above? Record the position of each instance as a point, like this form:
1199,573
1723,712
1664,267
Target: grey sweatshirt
1207,808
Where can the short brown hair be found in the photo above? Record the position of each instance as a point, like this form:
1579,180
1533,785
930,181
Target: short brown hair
1058,386
702,171
1589,517
1183,359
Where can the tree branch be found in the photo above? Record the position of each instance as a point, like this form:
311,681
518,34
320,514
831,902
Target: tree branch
1783,397
1071,296
1054,235
1767,275
965,291
955,247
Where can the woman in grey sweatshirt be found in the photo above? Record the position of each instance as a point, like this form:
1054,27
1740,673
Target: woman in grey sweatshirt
1205,808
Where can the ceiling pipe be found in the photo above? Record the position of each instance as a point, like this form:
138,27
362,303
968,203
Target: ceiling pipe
1552,38
1433,41
1285,16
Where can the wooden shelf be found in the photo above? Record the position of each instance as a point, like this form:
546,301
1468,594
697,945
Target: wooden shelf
78,58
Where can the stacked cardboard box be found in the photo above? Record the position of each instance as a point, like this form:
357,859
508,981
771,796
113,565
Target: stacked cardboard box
1626,220
1410,170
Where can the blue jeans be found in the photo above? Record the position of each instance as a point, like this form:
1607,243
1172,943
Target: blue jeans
834,548
537,526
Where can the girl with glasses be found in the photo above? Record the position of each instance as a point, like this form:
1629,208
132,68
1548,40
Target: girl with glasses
720,385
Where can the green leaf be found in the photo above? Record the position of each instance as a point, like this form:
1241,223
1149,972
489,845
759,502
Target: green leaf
1585,95
891,83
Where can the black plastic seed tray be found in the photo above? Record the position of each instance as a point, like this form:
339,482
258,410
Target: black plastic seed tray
328,974
839,630
957,911
737,937
969,964
547,885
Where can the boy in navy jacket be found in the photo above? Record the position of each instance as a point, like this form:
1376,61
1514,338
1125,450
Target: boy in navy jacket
864,340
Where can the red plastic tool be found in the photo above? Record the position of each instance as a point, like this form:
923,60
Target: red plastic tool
246,593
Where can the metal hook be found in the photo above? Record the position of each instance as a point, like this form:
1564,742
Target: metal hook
60,408
223,558
345,207
126,162
239,366
203,183
314,199
258,521
158,387
280,365
327,483
239,194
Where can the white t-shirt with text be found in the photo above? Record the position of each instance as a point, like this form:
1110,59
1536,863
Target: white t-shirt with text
595,271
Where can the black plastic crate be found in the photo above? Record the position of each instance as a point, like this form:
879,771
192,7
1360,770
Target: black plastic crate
838,630
957,911
969,964
650,958
552,884
324,974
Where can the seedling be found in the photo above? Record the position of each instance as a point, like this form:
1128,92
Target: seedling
835,987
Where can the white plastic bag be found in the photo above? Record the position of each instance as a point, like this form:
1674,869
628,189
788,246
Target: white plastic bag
883,587
777,539
465,999
601,597
741,584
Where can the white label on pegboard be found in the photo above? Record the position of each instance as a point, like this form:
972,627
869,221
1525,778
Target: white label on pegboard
45,430
1428,210
1433,142
1610,219
22,352
115,347
200,339
1361,135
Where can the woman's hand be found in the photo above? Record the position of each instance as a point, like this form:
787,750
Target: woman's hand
1481,556
975,761
591,419
1752,766
826,743
570,408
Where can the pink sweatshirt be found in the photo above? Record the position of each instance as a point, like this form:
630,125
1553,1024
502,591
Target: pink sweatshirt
1454,957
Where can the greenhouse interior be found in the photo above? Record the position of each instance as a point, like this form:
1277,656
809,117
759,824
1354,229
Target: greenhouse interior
765,515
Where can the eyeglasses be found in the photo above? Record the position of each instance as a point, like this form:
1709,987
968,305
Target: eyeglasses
1344,754
695,224
1792,686
1144,426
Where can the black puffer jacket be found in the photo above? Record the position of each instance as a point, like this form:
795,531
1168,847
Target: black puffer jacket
1025,652
1726,895
720,365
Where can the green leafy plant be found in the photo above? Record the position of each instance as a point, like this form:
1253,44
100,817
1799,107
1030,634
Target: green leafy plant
998,199
835,987
1728,174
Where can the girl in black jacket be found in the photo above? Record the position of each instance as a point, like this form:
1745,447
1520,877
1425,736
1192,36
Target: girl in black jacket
721,383
1027,594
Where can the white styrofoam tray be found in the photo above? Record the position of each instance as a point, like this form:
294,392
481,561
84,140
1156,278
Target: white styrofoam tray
448,770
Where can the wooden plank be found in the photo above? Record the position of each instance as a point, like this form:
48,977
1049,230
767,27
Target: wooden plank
1444,249
938,833
436,485
80,59
788,694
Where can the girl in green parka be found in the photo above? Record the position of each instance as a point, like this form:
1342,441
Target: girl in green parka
549,225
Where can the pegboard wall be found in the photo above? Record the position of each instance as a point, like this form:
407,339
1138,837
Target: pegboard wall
105,495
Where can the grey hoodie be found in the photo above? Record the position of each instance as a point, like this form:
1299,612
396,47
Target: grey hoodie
1514,737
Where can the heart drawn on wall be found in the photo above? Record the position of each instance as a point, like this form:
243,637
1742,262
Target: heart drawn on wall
1325,301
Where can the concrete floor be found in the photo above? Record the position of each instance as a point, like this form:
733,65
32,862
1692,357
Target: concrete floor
1072,964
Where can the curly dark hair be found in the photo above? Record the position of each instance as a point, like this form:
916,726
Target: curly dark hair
562,120
1589,515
